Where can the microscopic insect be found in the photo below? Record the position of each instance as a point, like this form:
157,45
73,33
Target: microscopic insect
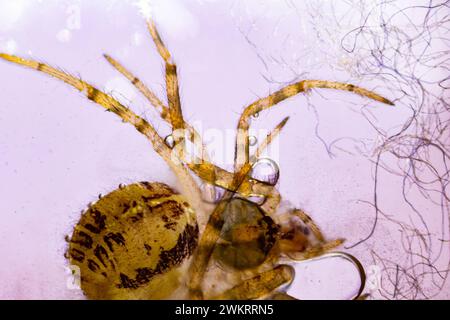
147,240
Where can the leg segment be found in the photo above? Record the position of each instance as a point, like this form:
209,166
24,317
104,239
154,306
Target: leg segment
111,104
249,187
309,223
201,166
242,144
151,97
260,285
269,138
173,95
316,250
210,236
163,110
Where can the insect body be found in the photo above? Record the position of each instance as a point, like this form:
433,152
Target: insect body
137,241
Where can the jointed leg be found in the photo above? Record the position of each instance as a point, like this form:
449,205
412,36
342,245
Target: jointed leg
312,251
210,236
163,110
316,250
151,97
201,166
249,187
260,285
242,144
111,104
309,223
173,95
269,138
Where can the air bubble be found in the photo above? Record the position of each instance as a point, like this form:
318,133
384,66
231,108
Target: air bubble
252,140
211,193
255,115
266,170
169,141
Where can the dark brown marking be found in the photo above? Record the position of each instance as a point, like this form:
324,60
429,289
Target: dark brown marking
147,184
172,206
83,239
135,80
99,252
141,125
93,94
92,265
279,96
92,228
147,248
39,66
99,220
170,226
116,237
288,235
126,207
137,217
271,234
186,243
155,196
126,282
171,69
77,255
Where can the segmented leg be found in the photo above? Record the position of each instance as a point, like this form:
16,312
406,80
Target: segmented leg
173,95
309,223
111,104
162,109
151,97
269,138
260,285
210,236
316,250
249,187
200,166
242,144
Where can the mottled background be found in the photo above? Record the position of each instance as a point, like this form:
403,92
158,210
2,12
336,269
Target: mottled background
58,151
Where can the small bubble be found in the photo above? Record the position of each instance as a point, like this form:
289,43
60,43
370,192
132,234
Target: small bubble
266,170
211,193
252,140
255,115
169,141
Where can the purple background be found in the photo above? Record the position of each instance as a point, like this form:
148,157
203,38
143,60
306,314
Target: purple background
58,151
